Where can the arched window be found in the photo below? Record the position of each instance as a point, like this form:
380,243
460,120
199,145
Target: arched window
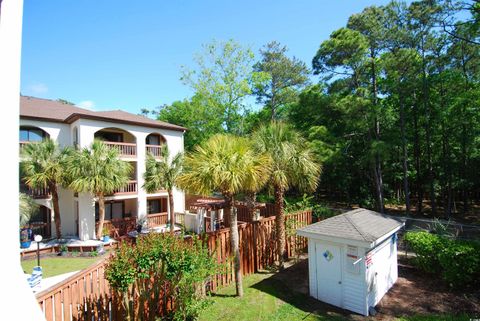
32,134
75,137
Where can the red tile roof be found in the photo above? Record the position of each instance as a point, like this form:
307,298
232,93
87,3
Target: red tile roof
52,110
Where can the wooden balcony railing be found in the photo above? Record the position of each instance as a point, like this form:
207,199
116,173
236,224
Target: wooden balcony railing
23,143
125,149
155,150
156,219
130,188
43,192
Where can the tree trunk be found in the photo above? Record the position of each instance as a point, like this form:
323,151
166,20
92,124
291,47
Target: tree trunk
101,215
56,211
416,154
171,213
428,128
250,198
379,184
405,154
234,242
378,161
280,224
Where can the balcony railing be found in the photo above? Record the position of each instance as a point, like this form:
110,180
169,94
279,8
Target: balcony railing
155,150
43,192
23,143
125,149
130,188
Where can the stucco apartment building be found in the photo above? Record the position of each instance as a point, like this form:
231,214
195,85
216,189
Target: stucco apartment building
133,135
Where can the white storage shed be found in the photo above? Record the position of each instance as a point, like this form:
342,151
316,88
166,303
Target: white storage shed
352,258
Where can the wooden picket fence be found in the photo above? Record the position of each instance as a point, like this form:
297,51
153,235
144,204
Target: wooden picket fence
87,296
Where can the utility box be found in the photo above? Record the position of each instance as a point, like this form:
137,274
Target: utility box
352,258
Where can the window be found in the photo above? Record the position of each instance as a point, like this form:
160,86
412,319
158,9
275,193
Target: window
110,136
32,134
112,210
75,137
154,139
158,205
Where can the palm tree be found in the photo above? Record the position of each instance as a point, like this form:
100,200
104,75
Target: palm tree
28,208
293,165
99,171
43,166
227,164
163,174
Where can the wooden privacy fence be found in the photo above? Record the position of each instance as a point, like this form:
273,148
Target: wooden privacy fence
83,296
258,249
244,216
87,296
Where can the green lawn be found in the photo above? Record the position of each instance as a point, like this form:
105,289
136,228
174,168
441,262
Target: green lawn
264,299
267,298
58,265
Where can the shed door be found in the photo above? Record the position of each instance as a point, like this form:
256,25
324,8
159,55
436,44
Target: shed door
329,273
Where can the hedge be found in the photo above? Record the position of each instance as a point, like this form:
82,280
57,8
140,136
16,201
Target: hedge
457,261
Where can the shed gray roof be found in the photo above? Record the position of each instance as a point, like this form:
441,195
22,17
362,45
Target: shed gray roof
360,225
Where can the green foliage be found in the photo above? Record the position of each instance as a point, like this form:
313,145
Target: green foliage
43,165
222,80
28,208
63,248
97,170
458,261
201,119
277,78
93,253
319,211
162,261
227,164
426,247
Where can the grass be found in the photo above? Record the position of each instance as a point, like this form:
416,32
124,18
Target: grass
264,299
267,298
52,266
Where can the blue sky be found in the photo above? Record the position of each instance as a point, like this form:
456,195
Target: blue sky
127,54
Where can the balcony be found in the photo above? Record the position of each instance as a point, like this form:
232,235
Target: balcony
130,188
37,193
128,150
155,150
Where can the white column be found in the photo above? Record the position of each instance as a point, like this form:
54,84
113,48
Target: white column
86,217
141,194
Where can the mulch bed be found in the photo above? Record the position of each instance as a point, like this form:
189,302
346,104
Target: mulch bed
414,293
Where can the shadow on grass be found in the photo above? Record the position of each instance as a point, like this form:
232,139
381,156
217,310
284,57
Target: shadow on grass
291,286
222,295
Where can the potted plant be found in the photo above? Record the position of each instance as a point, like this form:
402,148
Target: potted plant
25,237
106,234
141,223
63,249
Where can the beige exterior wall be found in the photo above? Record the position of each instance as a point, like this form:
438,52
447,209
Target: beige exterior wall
135,204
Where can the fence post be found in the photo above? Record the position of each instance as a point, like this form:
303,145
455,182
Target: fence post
255,251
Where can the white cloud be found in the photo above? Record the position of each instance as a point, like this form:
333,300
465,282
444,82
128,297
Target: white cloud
38,88
87,104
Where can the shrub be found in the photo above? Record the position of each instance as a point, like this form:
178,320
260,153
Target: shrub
460,262
426,246
321,212
162,270
457,261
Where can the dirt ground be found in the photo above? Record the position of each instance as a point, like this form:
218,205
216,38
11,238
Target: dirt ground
414,293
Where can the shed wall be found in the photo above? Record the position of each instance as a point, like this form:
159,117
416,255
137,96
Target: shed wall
383,272
354,287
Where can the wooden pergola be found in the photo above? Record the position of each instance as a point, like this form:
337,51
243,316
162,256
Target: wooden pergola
212,211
